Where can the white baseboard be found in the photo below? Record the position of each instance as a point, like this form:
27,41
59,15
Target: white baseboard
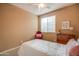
3,52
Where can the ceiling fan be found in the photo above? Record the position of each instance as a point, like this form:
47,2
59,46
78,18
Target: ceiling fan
41,6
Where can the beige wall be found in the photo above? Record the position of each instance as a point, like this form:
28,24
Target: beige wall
16,25
70,13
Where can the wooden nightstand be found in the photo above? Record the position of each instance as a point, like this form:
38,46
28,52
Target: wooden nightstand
64,38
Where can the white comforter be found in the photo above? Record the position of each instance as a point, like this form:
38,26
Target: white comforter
39,47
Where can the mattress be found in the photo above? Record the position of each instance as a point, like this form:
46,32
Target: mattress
39,47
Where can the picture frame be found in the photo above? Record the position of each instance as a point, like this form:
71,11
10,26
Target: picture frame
65,24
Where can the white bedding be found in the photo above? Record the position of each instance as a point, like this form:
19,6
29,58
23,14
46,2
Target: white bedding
39,47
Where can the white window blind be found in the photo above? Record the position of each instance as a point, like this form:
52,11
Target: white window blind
48,24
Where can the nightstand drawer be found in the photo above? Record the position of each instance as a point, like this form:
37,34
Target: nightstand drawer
64,38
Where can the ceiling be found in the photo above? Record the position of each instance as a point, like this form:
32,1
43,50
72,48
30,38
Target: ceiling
33,8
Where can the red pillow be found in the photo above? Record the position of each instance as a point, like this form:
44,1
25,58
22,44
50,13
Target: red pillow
74,51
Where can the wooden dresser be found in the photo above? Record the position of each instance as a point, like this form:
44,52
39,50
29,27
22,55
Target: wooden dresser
64,38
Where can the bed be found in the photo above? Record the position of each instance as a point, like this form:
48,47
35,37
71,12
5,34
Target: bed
38,47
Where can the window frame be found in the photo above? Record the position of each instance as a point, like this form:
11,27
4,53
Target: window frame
53,31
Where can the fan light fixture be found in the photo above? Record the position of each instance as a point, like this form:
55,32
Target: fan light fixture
41,5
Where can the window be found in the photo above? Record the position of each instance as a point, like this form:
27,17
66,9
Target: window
48,24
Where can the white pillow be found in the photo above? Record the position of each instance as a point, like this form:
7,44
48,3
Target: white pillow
78,40
71,41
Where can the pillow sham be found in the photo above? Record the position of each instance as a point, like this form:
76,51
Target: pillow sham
78,40
74,51
72,41
71,44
